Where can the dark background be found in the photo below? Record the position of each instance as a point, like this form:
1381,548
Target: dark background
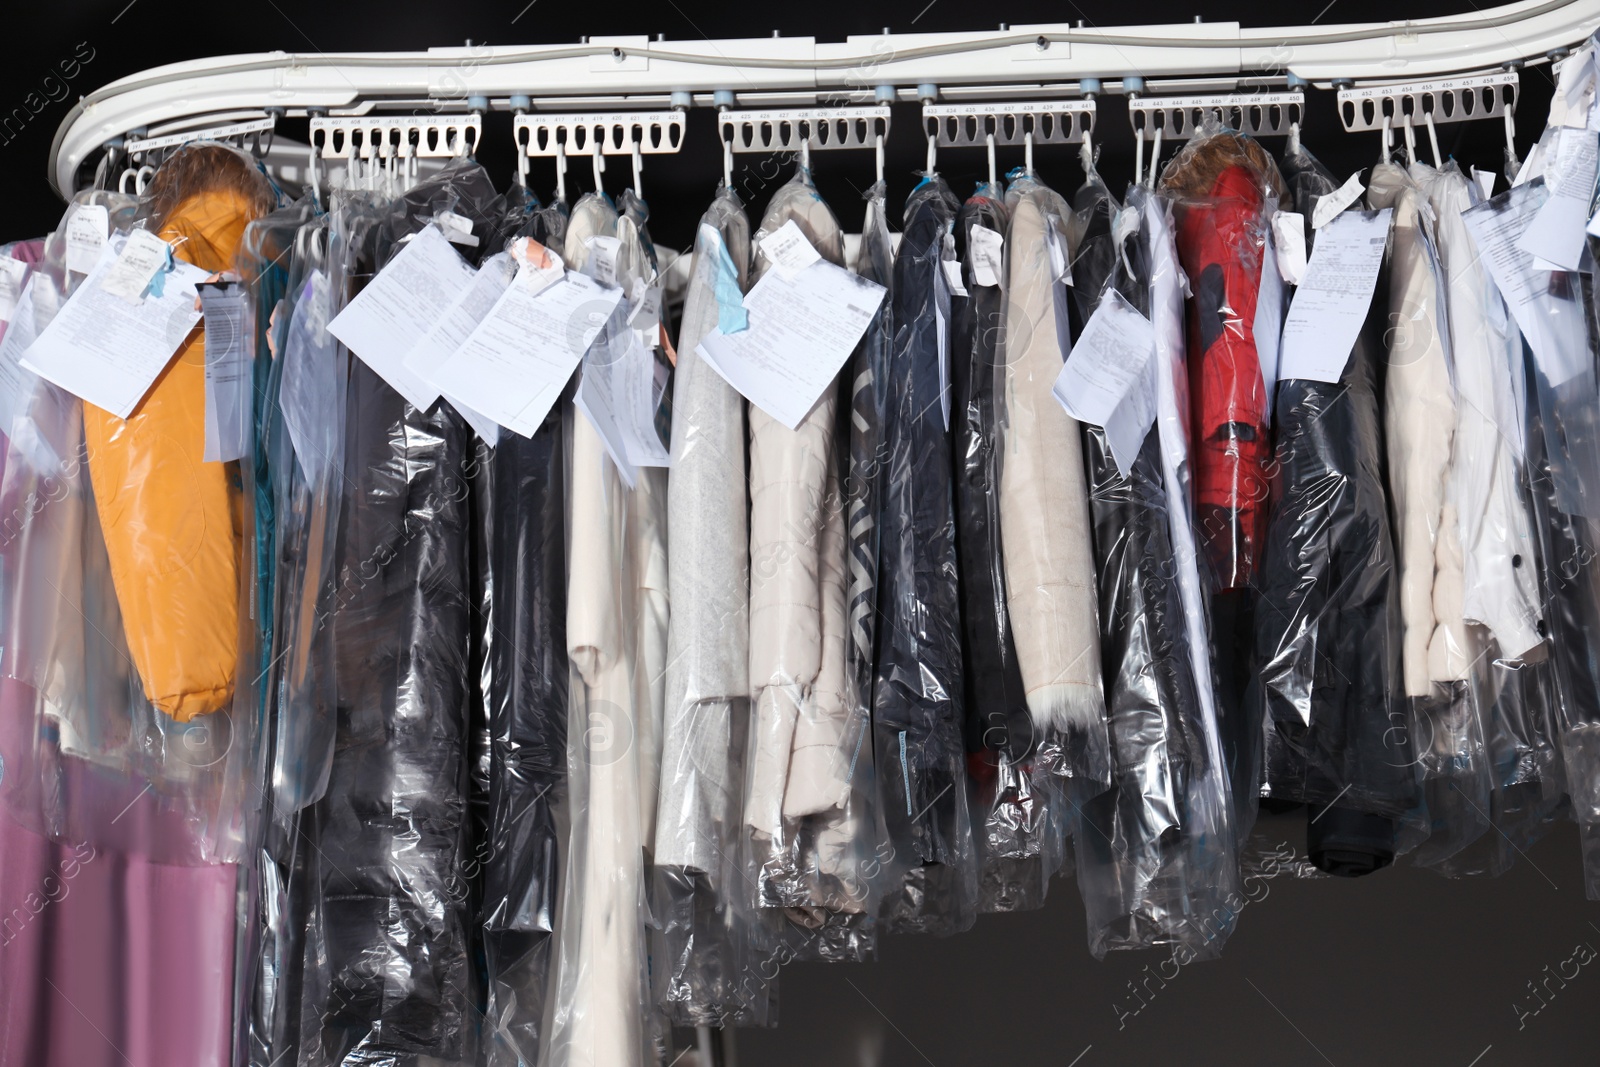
1402,967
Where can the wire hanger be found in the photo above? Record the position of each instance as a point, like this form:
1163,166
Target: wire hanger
1433,138
1410,141
638,171
877,151
599,165
1383,152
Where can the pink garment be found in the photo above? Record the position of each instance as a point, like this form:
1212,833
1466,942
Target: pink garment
106,958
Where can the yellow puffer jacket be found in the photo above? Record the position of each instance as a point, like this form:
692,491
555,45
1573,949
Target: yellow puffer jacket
172,522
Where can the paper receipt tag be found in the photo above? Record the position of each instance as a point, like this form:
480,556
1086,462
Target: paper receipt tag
986,249
788,249
540,267
1289,240
603,253
1329,207
87,231
136,265
1107,380
12,274
457,228
644,306
952,267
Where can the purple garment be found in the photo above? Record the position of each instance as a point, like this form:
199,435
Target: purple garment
106,958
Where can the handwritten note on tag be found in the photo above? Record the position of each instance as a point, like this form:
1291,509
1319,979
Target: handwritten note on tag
1108,379
109,352
986,250
1332,301
409,296
87,231
801,330
1332,205
519,358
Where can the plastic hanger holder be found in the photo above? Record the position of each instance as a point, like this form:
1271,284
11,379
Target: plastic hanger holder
971,125
1179,118
428,136
233,132
1479,96
816,128
618,133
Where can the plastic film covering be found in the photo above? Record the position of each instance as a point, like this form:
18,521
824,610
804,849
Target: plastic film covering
1567,549
917,711
283,261
701,961
386,973
616,614
1156,850
1334,724
804,809
147,811
1219,183
1046,537
82,739
525,676
1019,814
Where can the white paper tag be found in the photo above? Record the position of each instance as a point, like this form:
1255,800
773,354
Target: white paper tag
1108,379
1485,180
109,352
142,256
481,424
515,364
13,275
644,306
457,324
986,248
16,383
802,329
941,312
1495,227
1267,328
617,393
457,228
603,253
228,379
1332,205
540,266
87,231
1289,242
1556,232
788,250
1331,303
409,296
952,267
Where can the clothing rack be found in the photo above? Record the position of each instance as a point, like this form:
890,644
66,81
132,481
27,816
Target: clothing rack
611,74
